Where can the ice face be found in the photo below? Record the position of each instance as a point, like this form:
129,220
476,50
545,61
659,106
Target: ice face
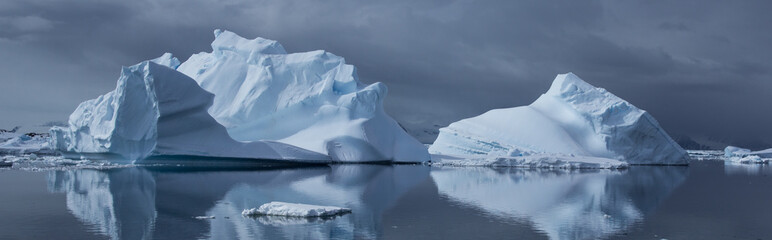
313,100
572,118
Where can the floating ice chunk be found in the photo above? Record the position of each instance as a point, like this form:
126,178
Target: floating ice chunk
203,217
294,210
746,156
732,151
572,117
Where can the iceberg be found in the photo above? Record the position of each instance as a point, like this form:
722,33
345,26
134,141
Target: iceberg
312,100
572,118
19,144
294,210
746,156
156,110
732,151
247,99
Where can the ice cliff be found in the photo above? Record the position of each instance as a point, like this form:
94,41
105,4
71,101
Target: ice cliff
572,118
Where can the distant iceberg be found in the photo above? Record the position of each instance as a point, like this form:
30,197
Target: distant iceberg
264,104
572,118
746,156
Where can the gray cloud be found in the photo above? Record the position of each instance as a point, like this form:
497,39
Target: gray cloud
700,67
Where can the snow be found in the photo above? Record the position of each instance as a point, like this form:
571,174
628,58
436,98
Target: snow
542,160
246,99
294,210
312,100
571,118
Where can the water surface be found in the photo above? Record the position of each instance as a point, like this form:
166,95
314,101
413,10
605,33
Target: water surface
705,200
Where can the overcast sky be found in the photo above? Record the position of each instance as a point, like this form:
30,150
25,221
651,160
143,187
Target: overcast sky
702,67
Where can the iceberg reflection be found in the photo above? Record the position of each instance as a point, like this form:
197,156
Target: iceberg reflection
733,168
563,204
118,203
136,203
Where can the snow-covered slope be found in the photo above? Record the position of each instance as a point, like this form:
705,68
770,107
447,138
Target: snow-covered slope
312,100
156,110
572,118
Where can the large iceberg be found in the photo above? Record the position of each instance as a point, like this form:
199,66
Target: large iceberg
246,99
312,100
572,118
156,110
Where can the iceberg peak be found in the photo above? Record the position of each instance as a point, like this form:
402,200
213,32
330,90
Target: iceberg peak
167,59
227,41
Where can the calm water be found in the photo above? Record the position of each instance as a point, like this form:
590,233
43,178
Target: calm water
707,200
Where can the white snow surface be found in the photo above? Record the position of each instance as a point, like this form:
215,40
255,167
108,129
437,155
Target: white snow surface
543,160
294,210
571,118
312,100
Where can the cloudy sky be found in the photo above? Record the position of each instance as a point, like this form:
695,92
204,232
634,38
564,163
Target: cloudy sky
701,67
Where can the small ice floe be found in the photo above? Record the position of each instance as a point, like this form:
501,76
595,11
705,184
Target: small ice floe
203,217
294,210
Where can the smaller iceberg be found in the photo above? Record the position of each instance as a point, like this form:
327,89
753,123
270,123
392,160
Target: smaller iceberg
19,144
294,210
746,156
573,119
